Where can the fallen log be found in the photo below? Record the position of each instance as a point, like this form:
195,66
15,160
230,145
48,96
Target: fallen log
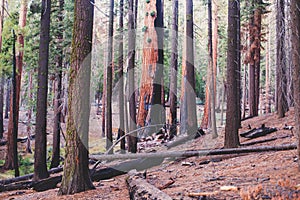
22,140
28,176
263,141
140,189
186,154
46,184
258,132
123,168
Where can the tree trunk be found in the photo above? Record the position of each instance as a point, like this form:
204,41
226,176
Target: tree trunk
76,177
281,61
231,127
29,113
109,79
2,75
9,160
7,98
188,119
40,167
132,140
121,130
58,81
295,27
173,71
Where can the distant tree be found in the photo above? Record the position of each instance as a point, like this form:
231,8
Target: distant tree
76,176
40,153
132,140
58,89
109,79
231,127
281,67
295,27
188,118
173,71
9,160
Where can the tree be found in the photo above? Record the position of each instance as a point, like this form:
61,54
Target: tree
232,124
109,79
58,89
76,177
281,80
188,118
173,71
132,140
9,159
121,78
2,75
295,24
40,167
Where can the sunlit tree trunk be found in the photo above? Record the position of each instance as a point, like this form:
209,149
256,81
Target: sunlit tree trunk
29,113
121,130
76,175
132,139
9,160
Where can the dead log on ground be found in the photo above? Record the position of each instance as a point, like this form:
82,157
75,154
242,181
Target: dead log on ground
258,132
22,140
263,141
139,188
186,154
28,176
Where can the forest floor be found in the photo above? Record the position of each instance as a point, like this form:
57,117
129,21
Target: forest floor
267,175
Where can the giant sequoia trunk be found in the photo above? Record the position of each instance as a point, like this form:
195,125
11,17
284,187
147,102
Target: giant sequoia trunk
150,102
40,153
76,176
58,90
295,16
9,163
231,127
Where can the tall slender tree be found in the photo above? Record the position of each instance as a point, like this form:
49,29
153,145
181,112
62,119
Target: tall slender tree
58,89
231,127
132,139
188,117
9,160
76,176
121,78
173,71
281,79
295,22
2,75
109,78
40,153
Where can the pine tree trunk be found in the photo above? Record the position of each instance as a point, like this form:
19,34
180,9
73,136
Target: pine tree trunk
109,79
121,130
281,61
132,140
40,167
76,177
57,95
188,119
174,71
9,163
231,127
295,22
29,114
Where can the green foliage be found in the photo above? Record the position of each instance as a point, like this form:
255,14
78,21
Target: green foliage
149,40
26,165
147,1
145,28
152,14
